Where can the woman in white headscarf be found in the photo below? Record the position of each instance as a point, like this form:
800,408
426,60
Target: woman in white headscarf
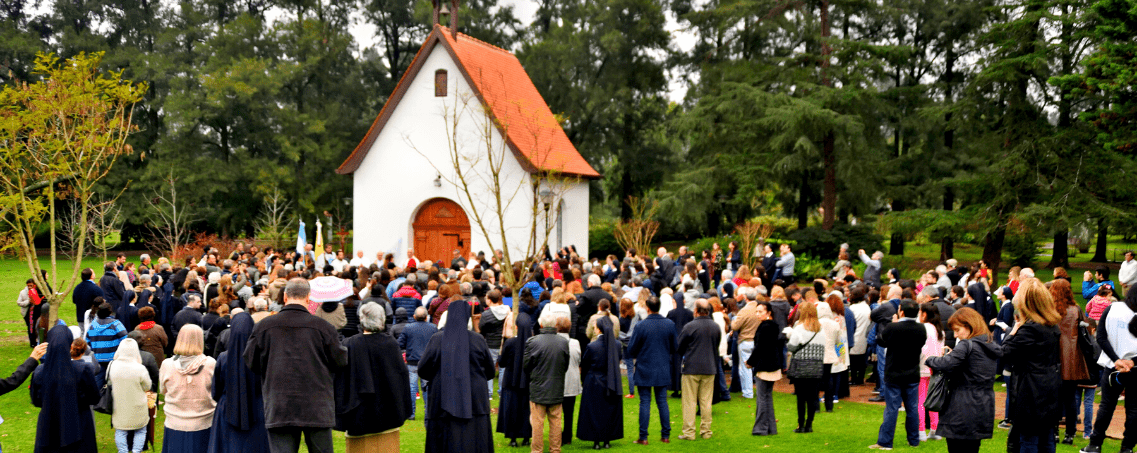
129,381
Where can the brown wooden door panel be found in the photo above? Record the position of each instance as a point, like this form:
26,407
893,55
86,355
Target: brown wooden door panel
440,227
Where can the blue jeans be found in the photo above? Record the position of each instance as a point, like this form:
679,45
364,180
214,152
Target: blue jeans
880,353
895,395
661,404
630,364
1037,444
745,375
494,354
121,440
1086,396
416,384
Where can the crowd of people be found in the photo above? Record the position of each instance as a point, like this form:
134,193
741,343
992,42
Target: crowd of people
220,343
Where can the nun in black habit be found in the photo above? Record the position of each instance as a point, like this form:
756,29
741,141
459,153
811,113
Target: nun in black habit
513,410
457,364
239,419
371,394
602,402
64,390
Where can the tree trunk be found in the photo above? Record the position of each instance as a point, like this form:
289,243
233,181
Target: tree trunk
896,244
1099,253
947,243
993,252
1061,255
829,197
803,203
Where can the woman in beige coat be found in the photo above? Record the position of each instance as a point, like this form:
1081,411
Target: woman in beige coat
129,383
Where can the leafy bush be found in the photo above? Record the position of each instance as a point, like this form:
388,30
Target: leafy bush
783,226
807,268
820,243
601,238
1022,247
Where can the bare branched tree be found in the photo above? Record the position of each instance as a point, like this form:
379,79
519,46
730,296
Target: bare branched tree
483,182
170,218
105,219
69,229
274,220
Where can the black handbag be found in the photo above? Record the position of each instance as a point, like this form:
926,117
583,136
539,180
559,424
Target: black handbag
937,392
807,361
106,396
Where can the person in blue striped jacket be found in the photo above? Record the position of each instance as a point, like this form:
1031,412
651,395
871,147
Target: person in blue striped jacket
104,335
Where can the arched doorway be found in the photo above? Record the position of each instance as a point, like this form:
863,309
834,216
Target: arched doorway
440,227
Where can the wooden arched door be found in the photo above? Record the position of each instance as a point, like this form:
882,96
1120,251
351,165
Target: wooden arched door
440,227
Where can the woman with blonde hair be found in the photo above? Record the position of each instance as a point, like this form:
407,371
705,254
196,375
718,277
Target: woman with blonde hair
186,379
807,331
1032,350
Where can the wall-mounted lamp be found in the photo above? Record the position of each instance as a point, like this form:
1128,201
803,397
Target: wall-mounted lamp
438,180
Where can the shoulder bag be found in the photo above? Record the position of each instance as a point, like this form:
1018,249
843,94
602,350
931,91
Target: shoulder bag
807,361
106,396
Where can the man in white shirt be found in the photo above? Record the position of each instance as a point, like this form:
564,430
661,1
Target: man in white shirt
339,263
359,261
1128,274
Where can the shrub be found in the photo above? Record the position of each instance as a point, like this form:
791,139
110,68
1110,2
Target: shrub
602,239
1021,247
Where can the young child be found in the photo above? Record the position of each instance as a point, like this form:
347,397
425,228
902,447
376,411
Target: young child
1097,305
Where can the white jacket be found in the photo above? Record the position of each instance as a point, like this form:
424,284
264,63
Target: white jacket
1128,273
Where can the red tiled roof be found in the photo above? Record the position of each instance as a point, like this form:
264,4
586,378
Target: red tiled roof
499,81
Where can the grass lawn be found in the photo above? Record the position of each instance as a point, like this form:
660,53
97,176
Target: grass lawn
852,427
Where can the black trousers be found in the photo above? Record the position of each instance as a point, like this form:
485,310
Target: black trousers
1070,406
857,364
807,405
1111,387
963,445
568,406
287,440
829,381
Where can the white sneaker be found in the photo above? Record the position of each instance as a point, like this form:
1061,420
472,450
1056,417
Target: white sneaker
923,436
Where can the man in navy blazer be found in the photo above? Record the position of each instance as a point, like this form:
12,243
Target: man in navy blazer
654,341
84,294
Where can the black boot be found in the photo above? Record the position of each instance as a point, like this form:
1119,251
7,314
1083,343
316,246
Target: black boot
513,442
596,445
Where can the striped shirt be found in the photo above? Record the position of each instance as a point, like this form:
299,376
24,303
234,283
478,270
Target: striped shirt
104,336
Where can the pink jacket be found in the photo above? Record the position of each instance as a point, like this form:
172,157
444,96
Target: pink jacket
1096,306
187,383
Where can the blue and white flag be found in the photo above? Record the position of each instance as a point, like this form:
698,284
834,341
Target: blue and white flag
301,239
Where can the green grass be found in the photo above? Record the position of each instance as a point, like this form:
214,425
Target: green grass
852,427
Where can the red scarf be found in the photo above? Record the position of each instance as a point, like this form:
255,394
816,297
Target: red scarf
146,325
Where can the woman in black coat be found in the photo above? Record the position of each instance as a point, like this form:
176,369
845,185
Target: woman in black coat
371,400
969,413
766,363
601,404
1033,353
513,404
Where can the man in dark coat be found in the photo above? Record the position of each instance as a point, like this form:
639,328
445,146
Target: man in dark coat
114,292
679,316
546,361
586,306
654,341
413,340
296,354
188,315
904,339
770,263
699,346
84,294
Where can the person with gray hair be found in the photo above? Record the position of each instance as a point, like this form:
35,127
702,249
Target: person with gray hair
413,340
371,402
295,343
546,360
260,309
